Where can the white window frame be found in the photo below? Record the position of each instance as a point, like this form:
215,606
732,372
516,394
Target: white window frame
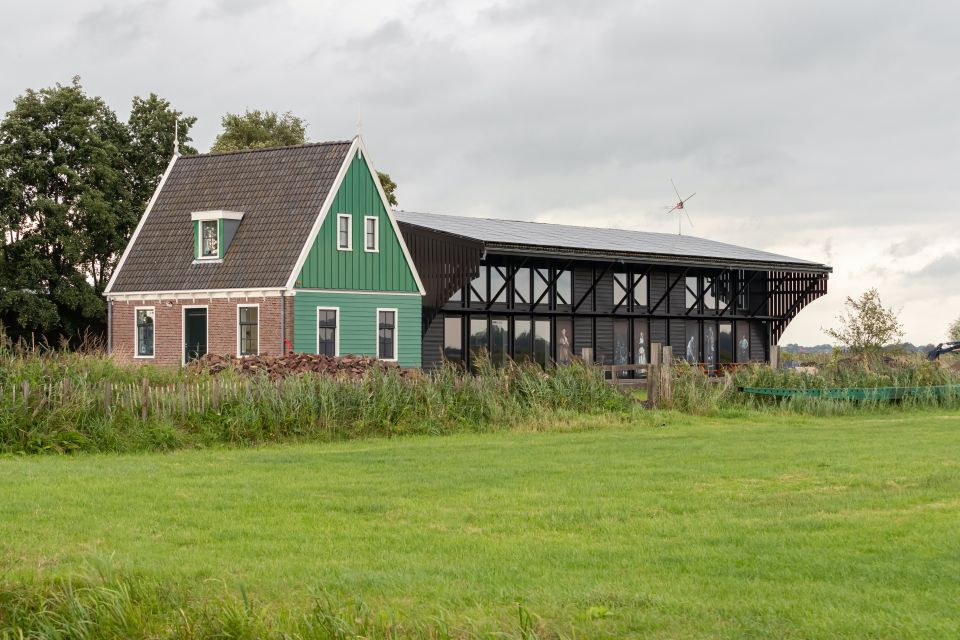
376,234
200,255
396,334
336,333
246,306
136,337
349,218
183,330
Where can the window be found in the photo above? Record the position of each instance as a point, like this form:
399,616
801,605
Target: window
478,287
692,293
248,330
521,286
542,342
328,342
541,278
209,240
144,321
620,289
499,341
453,338
564,290
371,234
498,284
344,232
387,334
709,295
639,290
523,340
479,342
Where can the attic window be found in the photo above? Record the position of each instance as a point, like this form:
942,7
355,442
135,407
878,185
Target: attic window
213,231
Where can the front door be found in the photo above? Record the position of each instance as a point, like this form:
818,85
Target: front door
194,333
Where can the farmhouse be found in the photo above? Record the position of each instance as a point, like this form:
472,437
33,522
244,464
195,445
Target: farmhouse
295,248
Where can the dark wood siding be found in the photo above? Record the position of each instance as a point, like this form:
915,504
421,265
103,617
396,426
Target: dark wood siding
433,343
582,281
582,334
604,340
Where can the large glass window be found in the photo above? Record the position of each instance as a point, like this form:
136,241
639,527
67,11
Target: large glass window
640,341
327,332
692,349
478,287
709,295
209,240
521,286
145,336
479,339
541,278
248,330
743,341
564,288
725,344
522,340
344,232
453,338
692,293
640,291
710,345
619,289
387,334
541,344
564,341
499,341
498,290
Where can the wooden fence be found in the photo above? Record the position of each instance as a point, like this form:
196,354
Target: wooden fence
147,400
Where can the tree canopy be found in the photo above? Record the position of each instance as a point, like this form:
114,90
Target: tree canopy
263,129
954,330
259,129
74,181
865,324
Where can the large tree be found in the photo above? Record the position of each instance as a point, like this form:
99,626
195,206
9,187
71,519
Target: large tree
74,181
259,129
262,129
954,330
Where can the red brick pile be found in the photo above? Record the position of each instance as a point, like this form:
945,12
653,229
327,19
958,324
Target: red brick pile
354,367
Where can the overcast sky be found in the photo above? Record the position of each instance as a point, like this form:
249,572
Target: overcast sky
822,130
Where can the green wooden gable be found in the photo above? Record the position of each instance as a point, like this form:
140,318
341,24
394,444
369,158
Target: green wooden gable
326,267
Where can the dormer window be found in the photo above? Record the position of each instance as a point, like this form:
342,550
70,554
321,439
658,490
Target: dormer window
209,239
212,232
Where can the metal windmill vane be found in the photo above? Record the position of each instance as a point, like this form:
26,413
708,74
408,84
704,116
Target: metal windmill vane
681,208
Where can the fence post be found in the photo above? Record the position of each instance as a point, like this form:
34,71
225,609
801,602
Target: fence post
144,398
26,393
653,375
106,398
183,399
586,354
216,395
775,356
666,386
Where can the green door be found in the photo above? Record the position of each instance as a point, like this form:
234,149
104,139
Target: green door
194,334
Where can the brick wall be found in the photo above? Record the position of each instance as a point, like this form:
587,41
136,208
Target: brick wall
221,327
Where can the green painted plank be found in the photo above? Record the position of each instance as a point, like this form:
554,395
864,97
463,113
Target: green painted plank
328,268
358,322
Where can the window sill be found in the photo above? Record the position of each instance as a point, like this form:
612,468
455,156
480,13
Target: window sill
208,261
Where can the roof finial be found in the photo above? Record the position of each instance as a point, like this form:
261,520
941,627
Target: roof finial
176,134
359,123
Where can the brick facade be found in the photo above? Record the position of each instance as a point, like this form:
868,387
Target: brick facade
221,327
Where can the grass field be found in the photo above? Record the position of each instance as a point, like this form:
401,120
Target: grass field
792,527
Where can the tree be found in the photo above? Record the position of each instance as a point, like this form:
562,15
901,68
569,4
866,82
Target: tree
74,181
954,330
152,126
389,187
259,129
866,324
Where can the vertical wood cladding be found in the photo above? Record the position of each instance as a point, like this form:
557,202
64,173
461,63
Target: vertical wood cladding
433,342
604,341
582,334
327,267
582,283
604,295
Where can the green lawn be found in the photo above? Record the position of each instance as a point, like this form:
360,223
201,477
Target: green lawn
800,528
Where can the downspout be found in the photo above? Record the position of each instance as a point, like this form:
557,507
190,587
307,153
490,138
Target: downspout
109,327
283,323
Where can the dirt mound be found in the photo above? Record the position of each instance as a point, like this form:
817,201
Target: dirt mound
350,366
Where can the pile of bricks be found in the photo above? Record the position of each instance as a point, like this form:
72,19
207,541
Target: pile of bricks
354,367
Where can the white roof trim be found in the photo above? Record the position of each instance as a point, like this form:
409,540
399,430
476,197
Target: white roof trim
327,203
195,294
217,214
393,221
143,219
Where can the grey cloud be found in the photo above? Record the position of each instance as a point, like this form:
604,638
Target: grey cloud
945,268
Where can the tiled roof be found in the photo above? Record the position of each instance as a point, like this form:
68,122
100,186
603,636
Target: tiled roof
280,192
589,241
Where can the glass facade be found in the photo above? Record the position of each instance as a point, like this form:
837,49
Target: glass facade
145,332
453,338
523,340
247,329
